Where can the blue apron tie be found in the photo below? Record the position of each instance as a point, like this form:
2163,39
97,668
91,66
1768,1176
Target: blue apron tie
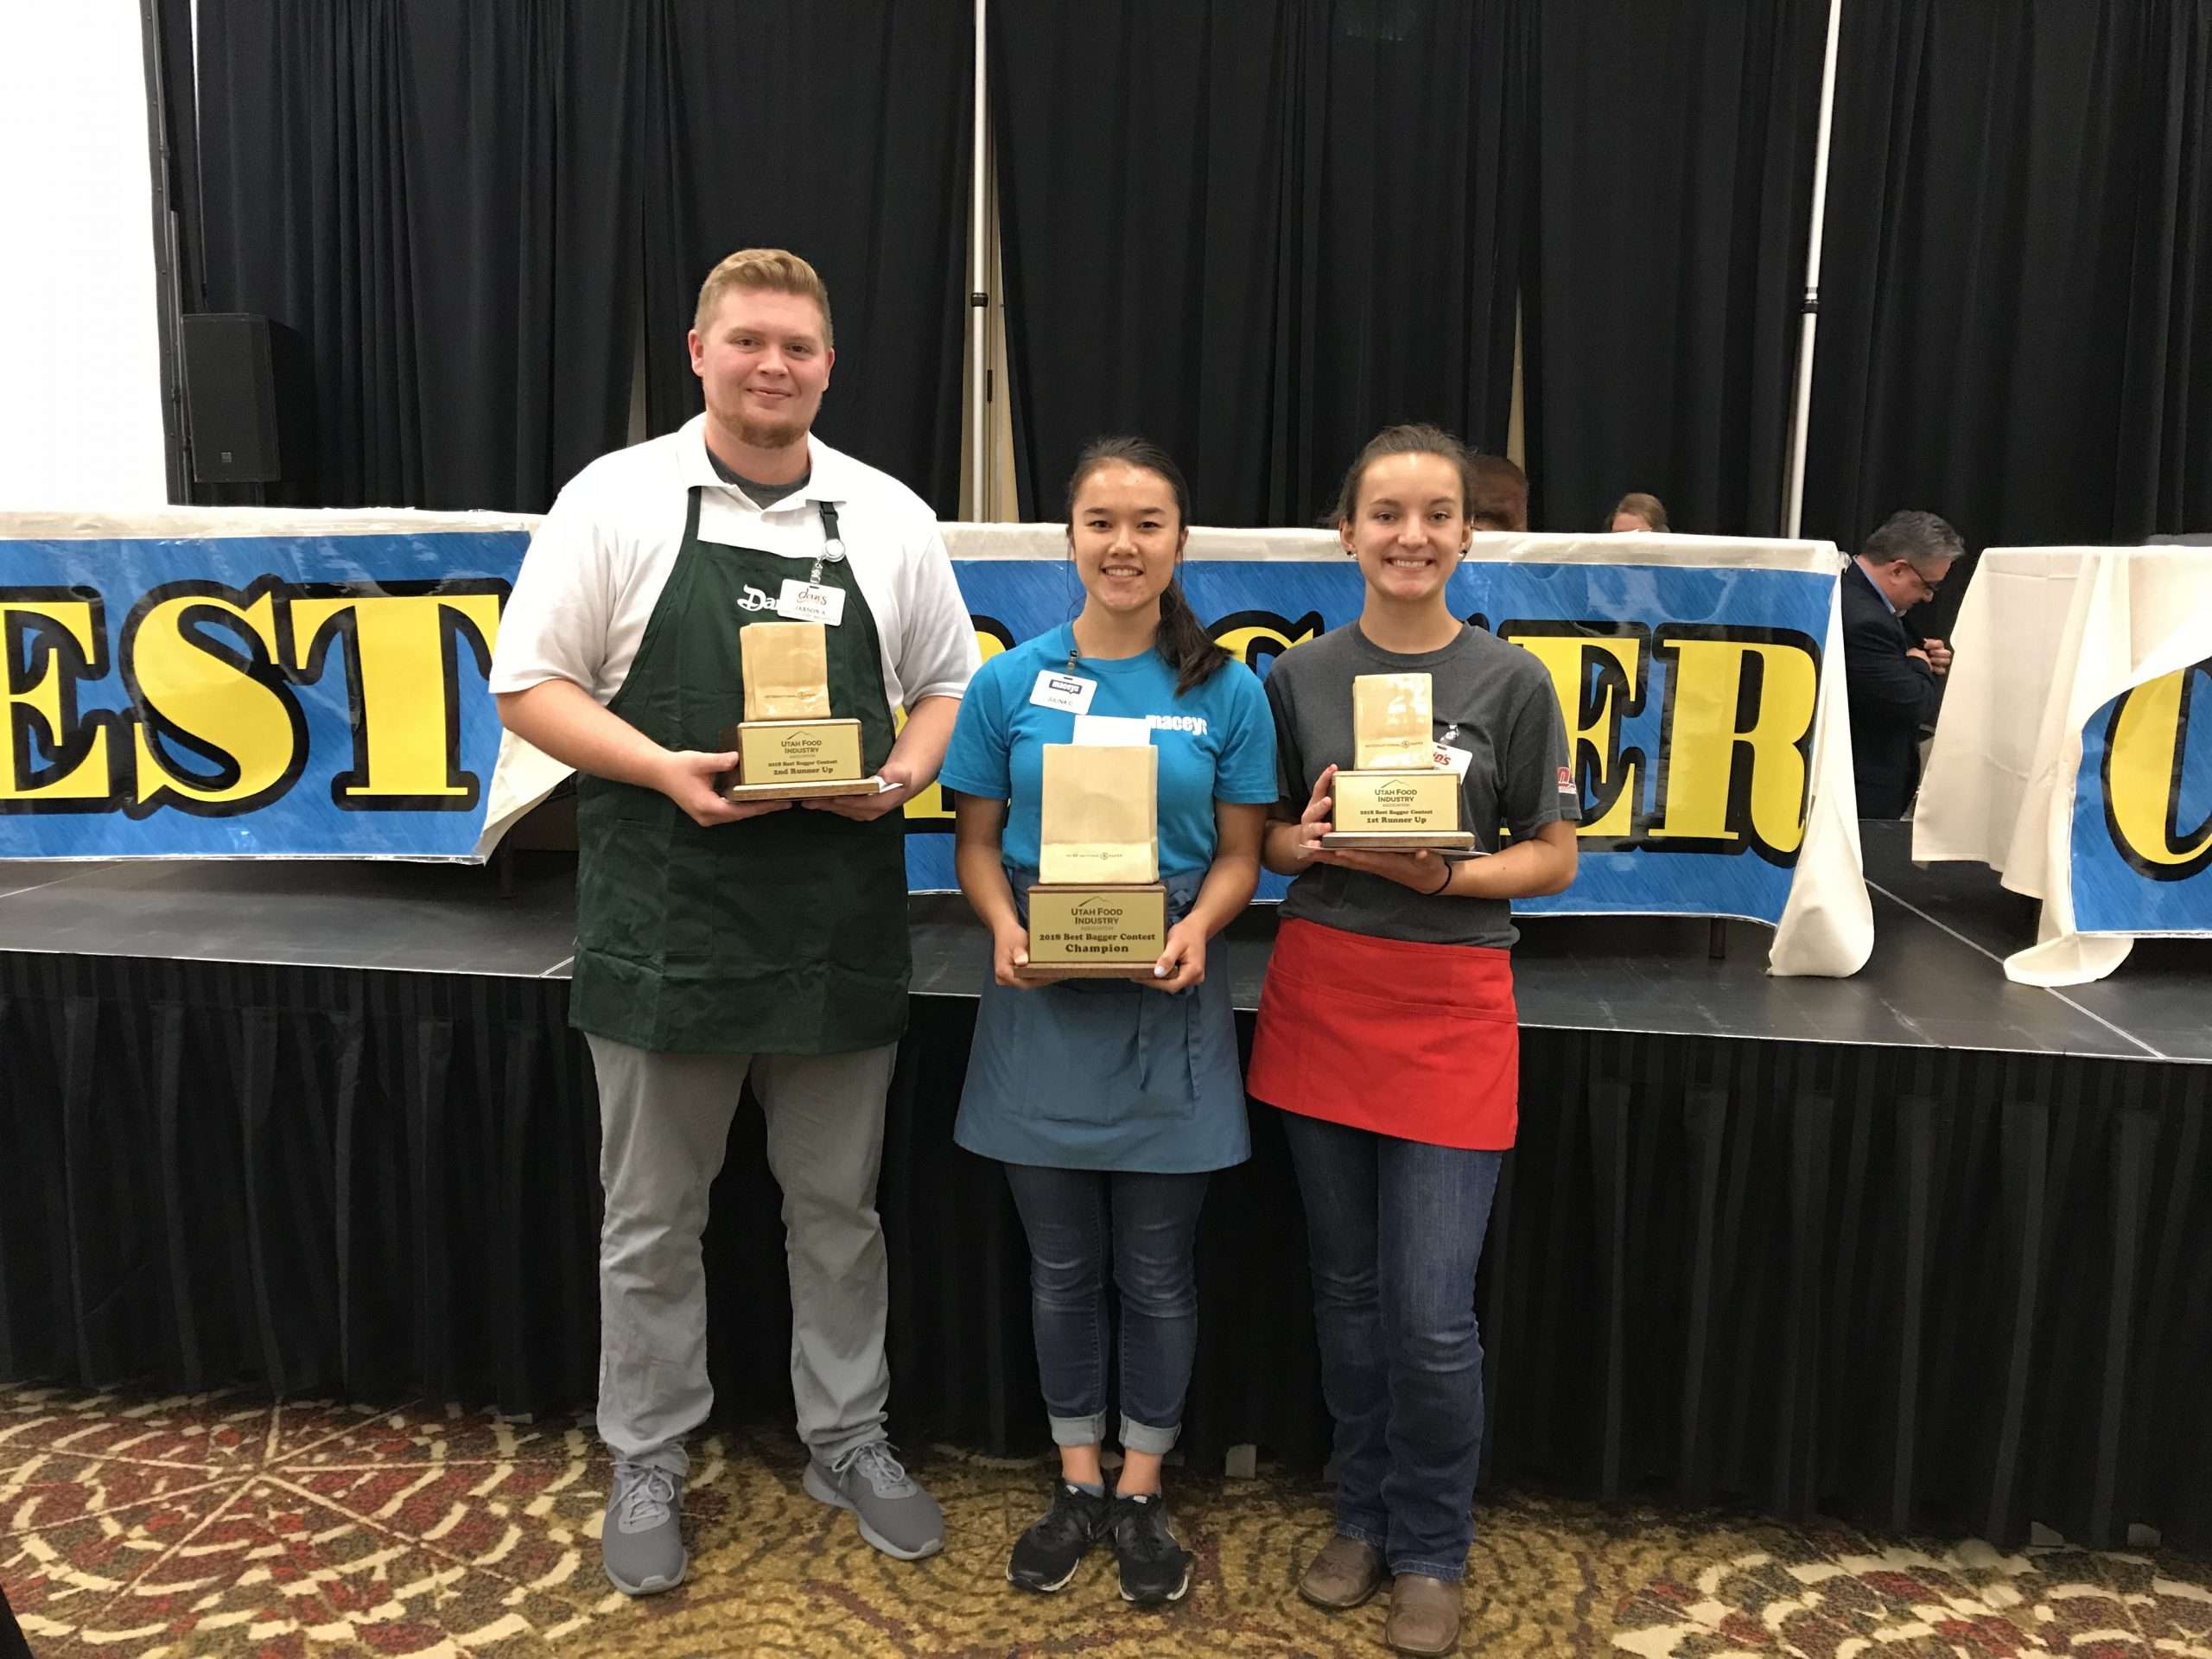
1164,1023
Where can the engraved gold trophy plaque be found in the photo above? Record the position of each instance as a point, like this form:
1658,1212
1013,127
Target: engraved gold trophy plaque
1098,909
1395,797
789,747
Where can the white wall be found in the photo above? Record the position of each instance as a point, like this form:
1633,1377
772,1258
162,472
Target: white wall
81,391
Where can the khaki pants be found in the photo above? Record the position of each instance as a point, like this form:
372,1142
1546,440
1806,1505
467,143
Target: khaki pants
664,1124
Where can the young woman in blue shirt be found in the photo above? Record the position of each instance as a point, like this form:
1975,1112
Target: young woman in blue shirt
1109,1102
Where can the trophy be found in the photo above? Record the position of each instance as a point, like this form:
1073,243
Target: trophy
1395,797
789,747
1098,909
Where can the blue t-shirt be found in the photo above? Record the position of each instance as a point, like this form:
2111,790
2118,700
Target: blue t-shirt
1216,742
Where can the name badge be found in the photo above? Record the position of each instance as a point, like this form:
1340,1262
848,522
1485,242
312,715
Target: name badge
1450,755
809,602
1066,692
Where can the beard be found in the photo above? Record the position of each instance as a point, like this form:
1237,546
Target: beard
779,436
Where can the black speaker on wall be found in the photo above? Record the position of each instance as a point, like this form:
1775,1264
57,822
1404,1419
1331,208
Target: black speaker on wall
230,399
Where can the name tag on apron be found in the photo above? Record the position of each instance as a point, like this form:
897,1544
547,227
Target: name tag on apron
1066,692
809,602
1111,731
1450,755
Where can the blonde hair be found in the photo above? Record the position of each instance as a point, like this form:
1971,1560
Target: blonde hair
772,269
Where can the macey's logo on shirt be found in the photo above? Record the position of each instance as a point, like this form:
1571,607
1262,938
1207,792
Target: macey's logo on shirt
1194,724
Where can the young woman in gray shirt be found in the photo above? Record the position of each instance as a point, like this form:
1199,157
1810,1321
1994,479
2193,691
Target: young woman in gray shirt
1387,1033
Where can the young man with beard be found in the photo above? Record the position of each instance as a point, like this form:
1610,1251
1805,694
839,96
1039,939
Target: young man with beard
717,942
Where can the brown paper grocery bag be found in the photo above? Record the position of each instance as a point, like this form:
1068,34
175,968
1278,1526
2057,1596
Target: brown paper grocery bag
1100,819
1392,729
787,666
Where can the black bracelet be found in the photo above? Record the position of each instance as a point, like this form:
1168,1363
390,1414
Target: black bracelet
1446,882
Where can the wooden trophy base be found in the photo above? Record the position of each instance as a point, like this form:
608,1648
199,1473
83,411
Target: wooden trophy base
1397,812
798,761
1096,932
737,794
1432,842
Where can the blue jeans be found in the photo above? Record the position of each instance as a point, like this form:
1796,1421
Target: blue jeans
1078,1221
1396,1228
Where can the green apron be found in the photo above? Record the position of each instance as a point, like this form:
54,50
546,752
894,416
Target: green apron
782,934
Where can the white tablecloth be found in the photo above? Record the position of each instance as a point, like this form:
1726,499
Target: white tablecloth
2047,636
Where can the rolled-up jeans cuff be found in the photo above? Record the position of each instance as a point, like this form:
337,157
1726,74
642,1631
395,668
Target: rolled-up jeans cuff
1078,1431
1432,1569
1142,1437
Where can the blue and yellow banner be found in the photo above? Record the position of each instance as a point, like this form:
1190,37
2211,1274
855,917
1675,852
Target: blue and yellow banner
1690,696
2142,829
324,695
297,696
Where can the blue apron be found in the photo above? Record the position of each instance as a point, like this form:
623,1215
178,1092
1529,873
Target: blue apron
1106,1074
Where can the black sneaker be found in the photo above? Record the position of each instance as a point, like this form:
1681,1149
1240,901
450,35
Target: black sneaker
1045,1557
1154,1567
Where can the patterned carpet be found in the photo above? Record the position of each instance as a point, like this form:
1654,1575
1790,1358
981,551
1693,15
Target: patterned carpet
224,1526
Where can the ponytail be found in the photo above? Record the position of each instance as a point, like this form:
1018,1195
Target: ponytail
1182,642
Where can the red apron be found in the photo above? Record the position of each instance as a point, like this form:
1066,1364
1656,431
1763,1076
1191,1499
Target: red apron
1418,1041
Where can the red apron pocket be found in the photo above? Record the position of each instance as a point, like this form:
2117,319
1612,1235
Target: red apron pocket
1417,1041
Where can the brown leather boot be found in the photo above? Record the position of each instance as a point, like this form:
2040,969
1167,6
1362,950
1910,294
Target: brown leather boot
1424,1615
1345,1573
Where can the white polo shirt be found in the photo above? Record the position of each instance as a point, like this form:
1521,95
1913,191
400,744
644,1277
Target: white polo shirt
598,562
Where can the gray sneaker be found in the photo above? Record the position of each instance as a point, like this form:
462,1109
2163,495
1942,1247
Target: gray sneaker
642,1538
896,1514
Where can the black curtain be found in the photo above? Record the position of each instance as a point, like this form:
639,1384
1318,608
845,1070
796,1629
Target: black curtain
440,203
2017,271
1142,148
2165,482
1673,197
180,261
1908,1286
1255,232
840,130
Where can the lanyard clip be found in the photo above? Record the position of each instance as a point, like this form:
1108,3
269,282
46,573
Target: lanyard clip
833,545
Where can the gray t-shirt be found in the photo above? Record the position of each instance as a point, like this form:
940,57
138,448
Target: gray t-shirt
763,496
1498,697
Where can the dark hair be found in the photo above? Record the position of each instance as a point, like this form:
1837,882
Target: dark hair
1919,538
1649,508
1500,495
1182,641
1416,438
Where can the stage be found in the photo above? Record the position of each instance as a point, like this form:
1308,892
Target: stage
1920,1247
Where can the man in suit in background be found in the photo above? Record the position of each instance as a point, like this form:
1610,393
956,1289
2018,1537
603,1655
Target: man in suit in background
1895,680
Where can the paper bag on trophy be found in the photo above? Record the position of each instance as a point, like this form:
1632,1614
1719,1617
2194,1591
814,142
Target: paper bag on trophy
1392,730
786,668
1099,821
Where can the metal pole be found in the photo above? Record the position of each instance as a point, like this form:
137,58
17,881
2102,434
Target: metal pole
1801,417
979,299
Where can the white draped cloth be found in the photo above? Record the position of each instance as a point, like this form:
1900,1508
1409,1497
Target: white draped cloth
2048,636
